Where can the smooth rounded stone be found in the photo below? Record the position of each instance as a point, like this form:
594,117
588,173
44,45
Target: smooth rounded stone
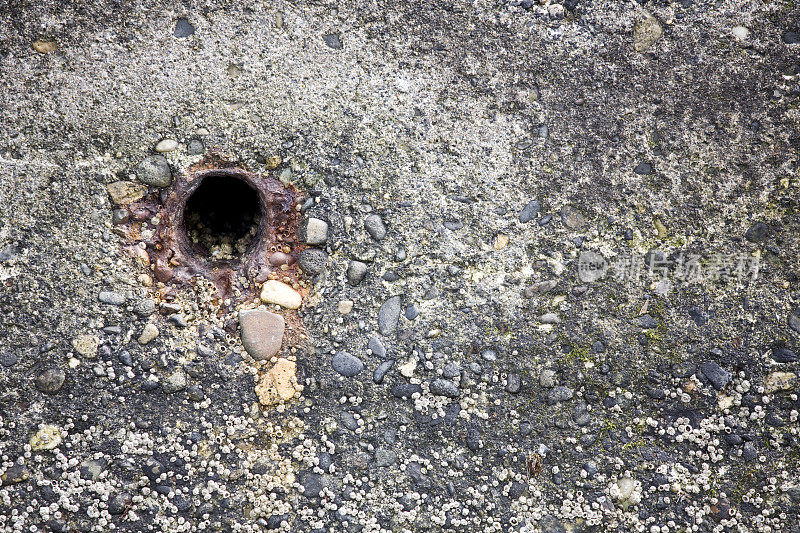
144,307
530,211
312,261
348,420
559,394
154,171
125,358
475,368
167,145
8,359
50,381
356,271
91,469
411,312
784,355
377,348
389,315
195,147
541,287
178,320
375,227
381,371
405,390
513,383
275,292
384,458
316,232
715,374
120,503
149,332
572,218
444,387
758,232
183,28
280,258
262,332
346,364
312,485
111,298
175,382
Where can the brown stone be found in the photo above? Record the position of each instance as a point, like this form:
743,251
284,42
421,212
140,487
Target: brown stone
262,332
125,192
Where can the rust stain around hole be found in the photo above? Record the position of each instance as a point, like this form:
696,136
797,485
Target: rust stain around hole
175,260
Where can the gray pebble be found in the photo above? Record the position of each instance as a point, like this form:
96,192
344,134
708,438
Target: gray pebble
346,364
91,469
715,374
377,348
356,272
333,41
530,211
388,315
444,387
144,307
758,232
195,147
794,320
154,171
749,452
111,298
316,231
375,227
411,312
312,261
312,485
405,390
559,394
381,371
125,358
646,322
784,355
348,420
119,503
178,320
384,457
489,355
183,28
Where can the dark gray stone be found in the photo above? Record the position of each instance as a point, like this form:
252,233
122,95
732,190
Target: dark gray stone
375,345
715,374
381,371
346,364
758,232
111,298
513,383
183,28
50,381
333,41
444,387
784,355
405,390
8,359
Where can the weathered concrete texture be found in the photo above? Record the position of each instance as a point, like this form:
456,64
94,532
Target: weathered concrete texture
463,155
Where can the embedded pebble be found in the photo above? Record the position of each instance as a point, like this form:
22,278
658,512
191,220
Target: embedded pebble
149,332
715,374
86,345
312,260
316,231
262,332
50,381
276,292
375,227
154,171
111,298
530,211
356,272
389,315
346,364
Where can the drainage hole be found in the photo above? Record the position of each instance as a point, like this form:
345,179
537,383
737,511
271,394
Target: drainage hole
222,217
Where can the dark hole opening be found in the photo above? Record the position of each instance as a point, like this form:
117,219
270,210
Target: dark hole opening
222,217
